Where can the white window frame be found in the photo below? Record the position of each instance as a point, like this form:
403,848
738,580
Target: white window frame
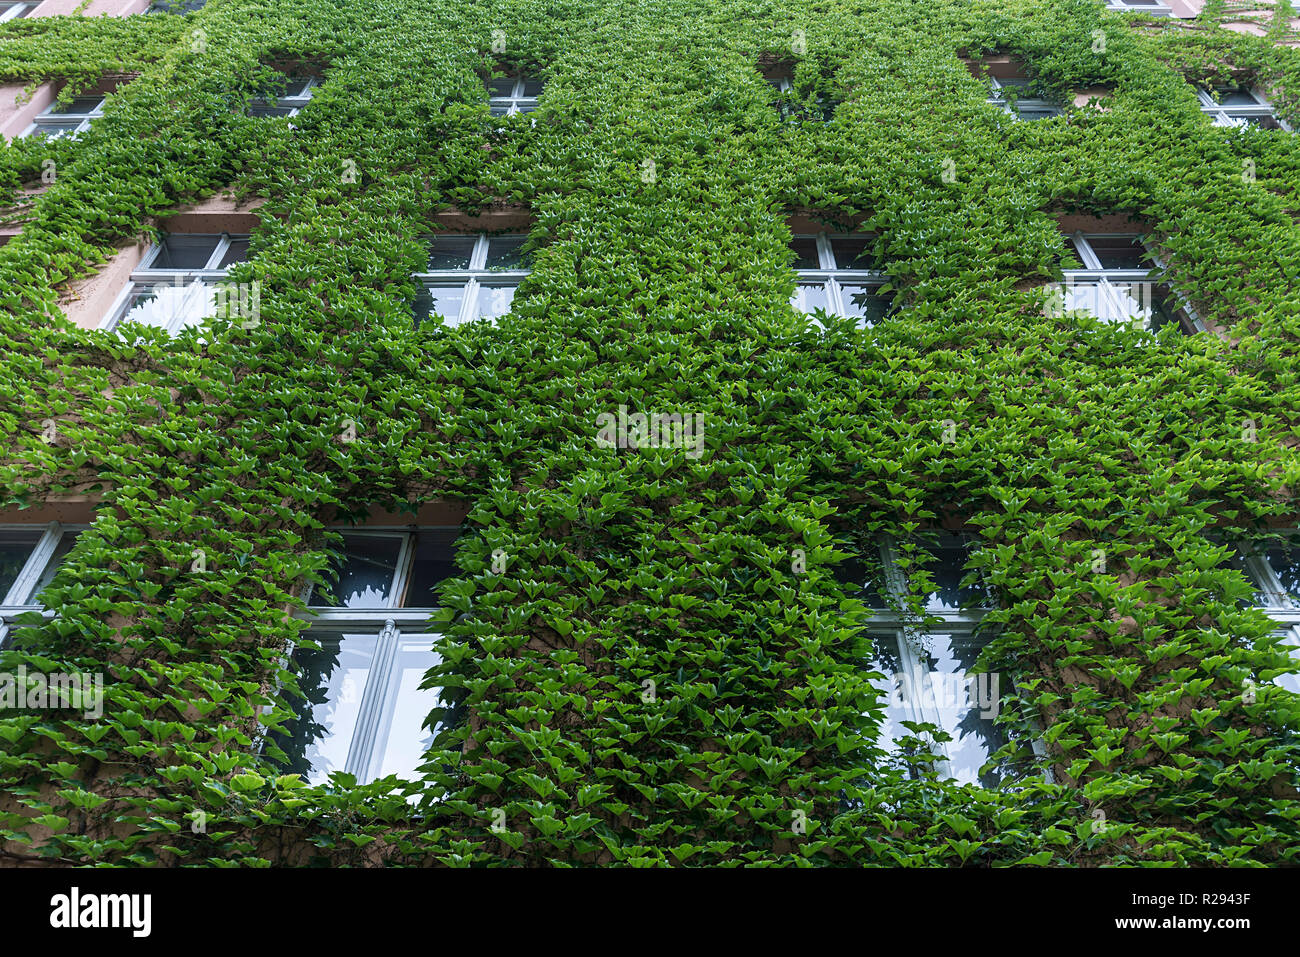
1111,302
48,119
295,102
15,11
832,278
1280,606
21,597
473,279
197,284
1156,9
516,102
397,630
1237,116
1022,102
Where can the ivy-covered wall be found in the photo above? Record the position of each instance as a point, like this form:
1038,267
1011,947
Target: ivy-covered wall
666,292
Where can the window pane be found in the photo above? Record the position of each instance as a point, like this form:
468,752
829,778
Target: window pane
56,129
805,252
79,105
852,252
451,252
237,252
861,302
1291,682
365,572
1036,110
809,297
504,252
893,689
866,574
947,571
15,548
493,301
1237,96
333,681
296,86
532,88
1119,252
404,742
444,301
1285,561
66,541
501,86
158,305
262,109
433,561
185,251
967,705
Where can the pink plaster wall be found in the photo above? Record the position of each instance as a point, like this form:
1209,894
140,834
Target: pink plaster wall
16,112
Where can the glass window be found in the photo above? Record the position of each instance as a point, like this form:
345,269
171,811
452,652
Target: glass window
15,549
365,571
12,11
283,101
806,255
514,94
66,119
836,275
185,251
1284,561
947,568
361,710
451,251
1119,252
487,272
176,285
506,252
30,556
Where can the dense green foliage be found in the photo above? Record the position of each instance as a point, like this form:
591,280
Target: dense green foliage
673,295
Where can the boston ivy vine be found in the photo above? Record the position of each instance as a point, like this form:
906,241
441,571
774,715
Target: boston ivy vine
660,292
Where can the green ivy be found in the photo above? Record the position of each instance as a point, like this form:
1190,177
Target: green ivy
666,293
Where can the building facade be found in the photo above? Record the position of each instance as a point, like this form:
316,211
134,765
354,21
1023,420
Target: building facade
650,434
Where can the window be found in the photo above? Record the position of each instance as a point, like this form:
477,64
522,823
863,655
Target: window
927,668
1153,7
29,557
175,6
470,276
172,288
1239,106
1274,569
837,275
1026,106
365,655
297,92
793,107
12,11
1114,283
509,95
66,119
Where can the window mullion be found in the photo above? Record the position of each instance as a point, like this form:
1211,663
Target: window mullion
361,751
